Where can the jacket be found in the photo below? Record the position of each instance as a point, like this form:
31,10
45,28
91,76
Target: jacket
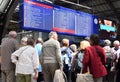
93,60
51,52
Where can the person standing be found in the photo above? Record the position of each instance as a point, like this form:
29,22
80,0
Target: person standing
27,61
95,59
51,59
38,47
8,46
66,58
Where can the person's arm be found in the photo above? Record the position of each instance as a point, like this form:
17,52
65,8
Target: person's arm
58,55
85,60
16,44
35,64
73,62
14,56
104,57
36,74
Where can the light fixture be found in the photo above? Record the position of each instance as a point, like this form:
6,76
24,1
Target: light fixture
48,1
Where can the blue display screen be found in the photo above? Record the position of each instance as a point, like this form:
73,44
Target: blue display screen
37,16
64,20
46,17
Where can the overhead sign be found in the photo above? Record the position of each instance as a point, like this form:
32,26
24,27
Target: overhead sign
46,17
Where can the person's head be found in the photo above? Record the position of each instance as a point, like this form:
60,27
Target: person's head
116,43
24,41
39,40
30,42
73,47
94,39
65,42
107,42
53,35
108,22
84,44
13,34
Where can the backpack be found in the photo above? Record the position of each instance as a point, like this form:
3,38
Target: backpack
66,60
78,60
109,61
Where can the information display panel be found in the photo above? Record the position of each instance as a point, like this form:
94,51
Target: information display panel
64,20
46,17
37,16
83,24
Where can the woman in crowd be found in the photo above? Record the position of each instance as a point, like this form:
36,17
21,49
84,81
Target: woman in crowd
27,62
38,47
78,58
66,58
95,59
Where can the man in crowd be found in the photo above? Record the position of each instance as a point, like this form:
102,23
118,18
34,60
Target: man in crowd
51,57
8,46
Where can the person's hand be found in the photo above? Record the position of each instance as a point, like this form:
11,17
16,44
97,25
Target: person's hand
116,60
36,74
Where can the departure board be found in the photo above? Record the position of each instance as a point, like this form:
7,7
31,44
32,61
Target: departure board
64,20
42,16
83,23
37,16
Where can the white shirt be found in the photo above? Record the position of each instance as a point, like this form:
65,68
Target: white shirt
28,60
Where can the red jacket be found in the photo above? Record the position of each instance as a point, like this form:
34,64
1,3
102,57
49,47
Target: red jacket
95,61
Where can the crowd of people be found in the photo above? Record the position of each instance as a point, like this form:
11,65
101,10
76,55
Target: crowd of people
38,60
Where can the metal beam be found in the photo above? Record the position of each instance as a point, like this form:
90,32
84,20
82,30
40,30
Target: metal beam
76,4
99,12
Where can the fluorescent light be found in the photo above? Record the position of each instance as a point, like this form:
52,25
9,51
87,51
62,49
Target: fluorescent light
12,21
77,4
48,1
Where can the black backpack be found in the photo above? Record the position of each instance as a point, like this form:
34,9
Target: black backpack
78,60
109,61
65,66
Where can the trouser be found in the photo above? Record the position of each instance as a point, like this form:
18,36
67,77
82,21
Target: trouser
118,76
40,77
68,74
110,77
98,79
49,71
24,78
8,76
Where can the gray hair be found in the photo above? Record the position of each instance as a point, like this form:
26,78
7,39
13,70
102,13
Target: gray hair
73,47
107,42
13,34
51,34
116,42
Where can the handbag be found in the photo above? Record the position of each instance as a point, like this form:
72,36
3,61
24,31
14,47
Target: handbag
86,77
59,76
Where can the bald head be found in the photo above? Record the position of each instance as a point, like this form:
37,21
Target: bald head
53,35
13,34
